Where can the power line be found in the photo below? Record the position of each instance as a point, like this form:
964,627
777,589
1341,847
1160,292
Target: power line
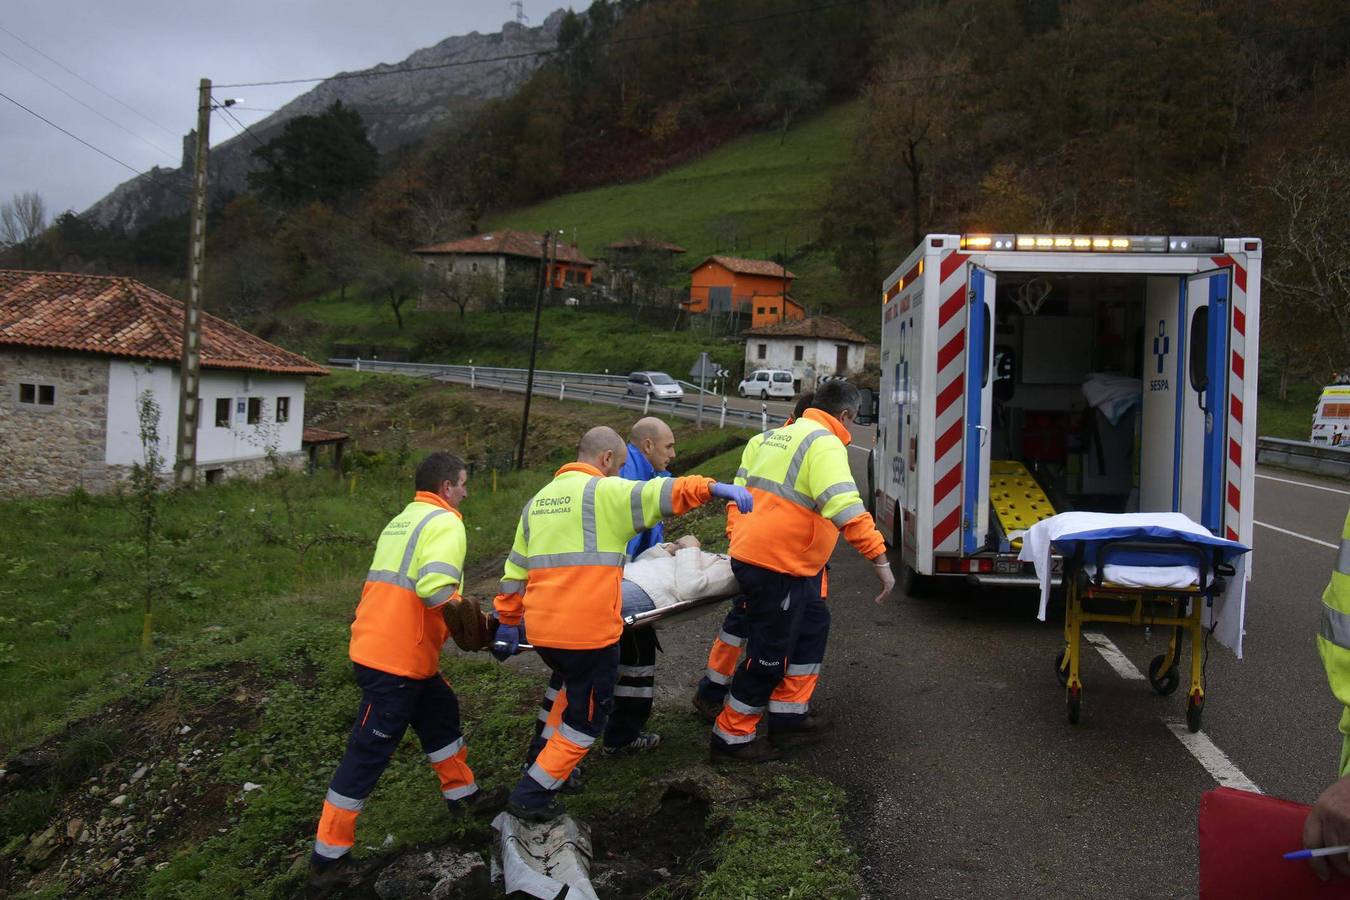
70,71
100,152
100,114
692,29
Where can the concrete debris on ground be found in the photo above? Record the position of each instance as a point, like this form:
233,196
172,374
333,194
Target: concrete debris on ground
545,860
446,873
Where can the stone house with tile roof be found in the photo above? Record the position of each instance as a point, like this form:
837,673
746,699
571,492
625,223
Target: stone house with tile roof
812,349
504,257
76,353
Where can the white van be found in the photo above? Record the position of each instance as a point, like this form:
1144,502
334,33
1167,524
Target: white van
1331,419
766,383
1024,375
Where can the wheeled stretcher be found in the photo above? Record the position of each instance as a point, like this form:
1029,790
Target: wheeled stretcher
1146,570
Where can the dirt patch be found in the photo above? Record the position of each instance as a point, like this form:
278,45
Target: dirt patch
636,854
119,792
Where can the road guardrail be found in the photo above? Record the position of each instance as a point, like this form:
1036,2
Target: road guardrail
1319,459
586,387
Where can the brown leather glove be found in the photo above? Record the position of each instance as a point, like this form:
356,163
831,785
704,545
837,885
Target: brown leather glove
469,625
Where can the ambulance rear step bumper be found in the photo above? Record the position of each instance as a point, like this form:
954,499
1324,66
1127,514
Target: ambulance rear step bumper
991,579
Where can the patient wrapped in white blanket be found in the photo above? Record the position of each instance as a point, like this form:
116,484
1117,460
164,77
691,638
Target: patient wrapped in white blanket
671,573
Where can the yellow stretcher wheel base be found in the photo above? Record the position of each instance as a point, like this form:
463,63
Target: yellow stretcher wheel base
1195,708
1061,669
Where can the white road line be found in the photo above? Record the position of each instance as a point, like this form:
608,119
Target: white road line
1303,537
1114,658
1215,761
1315,487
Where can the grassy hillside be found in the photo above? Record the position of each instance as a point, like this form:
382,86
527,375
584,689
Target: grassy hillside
761,192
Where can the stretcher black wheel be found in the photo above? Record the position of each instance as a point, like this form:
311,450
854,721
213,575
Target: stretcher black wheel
1060,672
1195,708
1165,684
1075,704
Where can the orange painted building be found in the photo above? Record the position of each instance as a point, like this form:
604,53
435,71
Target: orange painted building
759,288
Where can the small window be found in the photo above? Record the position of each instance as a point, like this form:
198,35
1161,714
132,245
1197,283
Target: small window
222,412
797,352
215,476
759,310
283,409
763,351
37,394
773,310
473,267
254,410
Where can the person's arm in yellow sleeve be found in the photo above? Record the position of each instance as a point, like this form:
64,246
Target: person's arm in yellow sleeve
510,600
440,562
831,485
1328,824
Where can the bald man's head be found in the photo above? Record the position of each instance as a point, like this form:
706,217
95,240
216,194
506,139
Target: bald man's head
656,441
603,448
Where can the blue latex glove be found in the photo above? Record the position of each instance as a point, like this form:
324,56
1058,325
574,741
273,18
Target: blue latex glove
736,494
507,641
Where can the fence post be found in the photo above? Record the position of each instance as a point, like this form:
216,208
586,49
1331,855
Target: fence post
763,417
562,389
473,377
646,403
722,420
358,364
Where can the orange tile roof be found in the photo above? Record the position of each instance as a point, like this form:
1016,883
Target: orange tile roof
509,243
117,316
826,327
748,266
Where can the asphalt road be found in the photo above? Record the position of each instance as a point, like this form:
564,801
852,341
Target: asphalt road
964,777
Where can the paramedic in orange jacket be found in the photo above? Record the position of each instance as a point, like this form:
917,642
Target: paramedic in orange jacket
562,581
395,650
804,496
793,695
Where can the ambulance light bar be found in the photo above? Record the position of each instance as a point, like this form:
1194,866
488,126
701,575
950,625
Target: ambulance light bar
1090,243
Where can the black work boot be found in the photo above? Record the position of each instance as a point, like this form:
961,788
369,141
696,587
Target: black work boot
706,709
480,804
641,744
546,813
329,876
757,751
810,727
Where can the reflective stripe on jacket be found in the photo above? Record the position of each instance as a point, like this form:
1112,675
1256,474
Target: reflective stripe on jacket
564,570
1333,640
804,496
419,558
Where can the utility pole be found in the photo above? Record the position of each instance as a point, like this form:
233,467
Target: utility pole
189,368
534,346
782,307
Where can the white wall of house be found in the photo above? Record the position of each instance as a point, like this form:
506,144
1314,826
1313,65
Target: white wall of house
237,440
819,356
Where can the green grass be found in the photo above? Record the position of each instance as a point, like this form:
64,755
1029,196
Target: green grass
250,650
767,192
1290,419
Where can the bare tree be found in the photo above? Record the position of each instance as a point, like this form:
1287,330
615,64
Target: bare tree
391,277
1308,270
464,289
22,219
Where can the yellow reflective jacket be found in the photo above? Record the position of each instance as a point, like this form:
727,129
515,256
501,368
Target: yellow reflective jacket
1333,642
804,496
564,570
399,626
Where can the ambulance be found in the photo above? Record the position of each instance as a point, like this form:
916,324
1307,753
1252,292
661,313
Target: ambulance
1029,374
1331,418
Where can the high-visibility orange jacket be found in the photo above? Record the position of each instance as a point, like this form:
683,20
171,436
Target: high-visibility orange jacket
804,496
564,570
419,558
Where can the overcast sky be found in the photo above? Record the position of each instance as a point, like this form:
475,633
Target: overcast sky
150,56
